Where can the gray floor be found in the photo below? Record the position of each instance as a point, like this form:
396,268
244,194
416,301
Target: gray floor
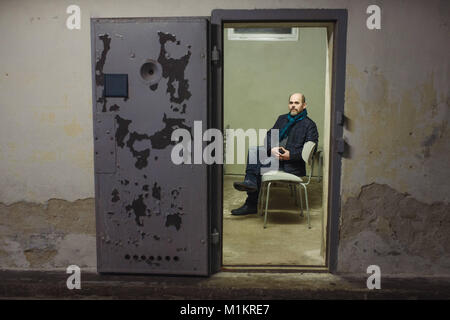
286,240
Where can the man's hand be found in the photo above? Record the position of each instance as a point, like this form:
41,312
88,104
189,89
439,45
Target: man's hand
275,152
285,155
282,156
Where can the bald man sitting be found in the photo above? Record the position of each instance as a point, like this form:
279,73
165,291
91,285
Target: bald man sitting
295,129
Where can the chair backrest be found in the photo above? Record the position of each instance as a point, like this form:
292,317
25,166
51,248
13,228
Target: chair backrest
308,152
308,156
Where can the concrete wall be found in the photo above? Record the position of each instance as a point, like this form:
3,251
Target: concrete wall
395,190
260,75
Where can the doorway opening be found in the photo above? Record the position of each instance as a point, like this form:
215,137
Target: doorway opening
263,64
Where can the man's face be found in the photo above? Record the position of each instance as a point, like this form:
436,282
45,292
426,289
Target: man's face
295,104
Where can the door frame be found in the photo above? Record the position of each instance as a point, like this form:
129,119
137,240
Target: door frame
215,116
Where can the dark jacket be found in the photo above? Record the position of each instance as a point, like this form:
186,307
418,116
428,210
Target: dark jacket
301,132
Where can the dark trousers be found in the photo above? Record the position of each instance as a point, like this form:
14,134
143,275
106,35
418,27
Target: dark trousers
253,174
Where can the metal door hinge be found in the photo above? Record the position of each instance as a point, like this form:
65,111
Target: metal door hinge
215,54
340,118
215,236
340,146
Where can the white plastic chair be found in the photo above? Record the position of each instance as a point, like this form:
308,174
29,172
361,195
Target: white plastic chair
279,176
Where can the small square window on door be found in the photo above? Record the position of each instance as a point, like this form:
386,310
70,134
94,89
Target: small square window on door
116,85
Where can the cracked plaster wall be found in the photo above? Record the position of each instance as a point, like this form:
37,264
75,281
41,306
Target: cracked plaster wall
51,235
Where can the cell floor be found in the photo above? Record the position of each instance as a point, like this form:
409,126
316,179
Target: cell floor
286,240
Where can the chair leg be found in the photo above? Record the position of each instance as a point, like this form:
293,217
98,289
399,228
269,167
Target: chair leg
267,203
261,198
258,203
301,200
293,190
307,205
320,170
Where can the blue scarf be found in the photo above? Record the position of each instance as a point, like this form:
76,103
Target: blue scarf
285,130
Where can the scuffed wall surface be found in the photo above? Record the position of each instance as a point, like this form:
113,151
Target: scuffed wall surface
397,101
394,231
397,111
395,188
52,235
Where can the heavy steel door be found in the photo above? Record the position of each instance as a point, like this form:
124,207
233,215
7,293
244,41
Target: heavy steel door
149,78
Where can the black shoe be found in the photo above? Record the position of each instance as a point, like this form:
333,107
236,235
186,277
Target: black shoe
244,210
247,185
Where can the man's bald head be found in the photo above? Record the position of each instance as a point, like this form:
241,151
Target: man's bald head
303,99
297,103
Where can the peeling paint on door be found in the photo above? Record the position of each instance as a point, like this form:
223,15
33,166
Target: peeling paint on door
136,224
